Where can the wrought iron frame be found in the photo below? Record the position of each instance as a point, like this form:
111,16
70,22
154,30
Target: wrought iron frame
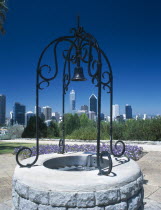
80,41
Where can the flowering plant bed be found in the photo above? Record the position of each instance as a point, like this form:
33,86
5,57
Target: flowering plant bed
131,151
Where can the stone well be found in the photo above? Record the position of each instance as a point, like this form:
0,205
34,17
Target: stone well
71,181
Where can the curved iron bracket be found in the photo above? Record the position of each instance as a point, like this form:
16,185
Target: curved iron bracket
105,170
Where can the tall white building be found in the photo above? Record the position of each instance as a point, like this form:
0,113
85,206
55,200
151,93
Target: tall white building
145,117
47,111
116,111
72,101
137,117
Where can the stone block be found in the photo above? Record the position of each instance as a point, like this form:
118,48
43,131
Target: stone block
129,190
14,182
85,199
107,197
22,190
15,199
118,206
43,207
135,202
26,205
94,208
40,197
62,199
140,182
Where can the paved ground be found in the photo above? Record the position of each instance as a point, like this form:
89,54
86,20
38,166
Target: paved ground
150,165
151,168
7,165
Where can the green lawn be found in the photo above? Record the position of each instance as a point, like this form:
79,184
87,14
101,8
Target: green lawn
6,148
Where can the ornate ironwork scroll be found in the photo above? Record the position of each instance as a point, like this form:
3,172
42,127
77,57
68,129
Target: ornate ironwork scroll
83,48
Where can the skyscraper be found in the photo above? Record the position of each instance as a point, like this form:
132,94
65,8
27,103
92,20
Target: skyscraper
56,115
116,111
19,113
28,115
93,103
39,111
128,111
84,107
47,111
72,100
92,115
2,109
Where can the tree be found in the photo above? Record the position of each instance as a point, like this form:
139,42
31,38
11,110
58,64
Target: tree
30,130
84,121
76,122
3,10
53,130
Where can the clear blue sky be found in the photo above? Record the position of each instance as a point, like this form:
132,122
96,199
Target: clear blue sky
128,31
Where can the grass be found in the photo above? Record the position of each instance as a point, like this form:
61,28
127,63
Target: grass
8,148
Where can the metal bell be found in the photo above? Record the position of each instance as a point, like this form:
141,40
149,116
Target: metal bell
78,74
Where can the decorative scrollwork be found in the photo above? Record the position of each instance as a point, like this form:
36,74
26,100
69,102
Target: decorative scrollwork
66,77
107,83
17,157
105,170
42,82
116,147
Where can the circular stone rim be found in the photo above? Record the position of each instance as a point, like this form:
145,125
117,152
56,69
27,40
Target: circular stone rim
40,177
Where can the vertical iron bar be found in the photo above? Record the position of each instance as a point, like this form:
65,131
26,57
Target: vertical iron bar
37,115
63,109
111,113
99,65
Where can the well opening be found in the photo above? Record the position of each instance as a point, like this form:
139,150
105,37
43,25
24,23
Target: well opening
75,163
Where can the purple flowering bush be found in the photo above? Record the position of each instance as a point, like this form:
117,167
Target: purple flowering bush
133,152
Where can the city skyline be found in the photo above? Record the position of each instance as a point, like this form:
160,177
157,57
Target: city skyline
86,104
128,32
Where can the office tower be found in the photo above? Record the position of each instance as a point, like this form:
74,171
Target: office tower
107,118
11,117
92,115
115,111
93,103
137,117
56,115
124,116
72,101
145,117
80,112
128,111
84,107
28,115
102,116
47,111
2,109
39,111
19,114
